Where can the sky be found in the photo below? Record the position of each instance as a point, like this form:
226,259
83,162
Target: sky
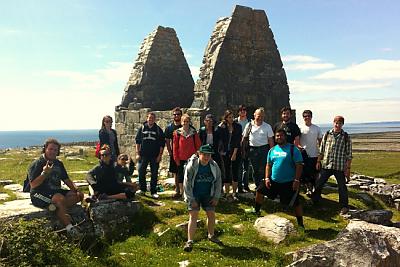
64,64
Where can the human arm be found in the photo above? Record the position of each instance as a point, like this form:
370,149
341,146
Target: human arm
161,140
71,185
218,185
38,174
188,182
349,157
296,181
268,175
138,140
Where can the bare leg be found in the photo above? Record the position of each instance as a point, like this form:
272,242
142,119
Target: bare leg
177,186
259,198
234,187
61,211
193,214
117,196
181,187
298,210
227,187
210,222
72,197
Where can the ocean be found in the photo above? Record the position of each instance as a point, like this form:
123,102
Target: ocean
15,139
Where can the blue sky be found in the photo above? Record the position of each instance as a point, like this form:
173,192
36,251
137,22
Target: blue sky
64,64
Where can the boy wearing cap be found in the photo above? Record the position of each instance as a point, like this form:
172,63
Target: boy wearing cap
202,187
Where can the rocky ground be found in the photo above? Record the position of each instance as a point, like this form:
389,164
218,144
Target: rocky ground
388,141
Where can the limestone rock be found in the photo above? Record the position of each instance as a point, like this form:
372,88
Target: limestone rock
382,217
242,65
359,244
161,78
274,227
6,182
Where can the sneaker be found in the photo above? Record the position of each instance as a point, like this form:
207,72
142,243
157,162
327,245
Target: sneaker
155,196
252,211
308,192
234,197
215,240
344,211
188,246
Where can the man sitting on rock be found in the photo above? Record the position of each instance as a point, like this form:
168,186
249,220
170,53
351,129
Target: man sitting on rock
202,186
45,175
283,172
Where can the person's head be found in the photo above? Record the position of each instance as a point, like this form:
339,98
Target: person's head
185,121
51,149
259,115
106,122
338,122
205,153
242,111
177,113
209,121
151,118
105,154
280,137
122,159
307,116
286,114
228,116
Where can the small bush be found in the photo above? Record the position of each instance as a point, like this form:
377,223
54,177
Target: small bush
31,243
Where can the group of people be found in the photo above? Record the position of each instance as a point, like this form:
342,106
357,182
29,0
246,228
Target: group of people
207,163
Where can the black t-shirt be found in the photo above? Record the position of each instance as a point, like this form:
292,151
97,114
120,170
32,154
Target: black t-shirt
53,179
291,129
150,140
170,129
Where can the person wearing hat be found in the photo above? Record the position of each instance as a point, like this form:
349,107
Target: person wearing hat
202,187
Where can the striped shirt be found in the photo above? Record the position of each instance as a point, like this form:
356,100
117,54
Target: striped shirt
335,150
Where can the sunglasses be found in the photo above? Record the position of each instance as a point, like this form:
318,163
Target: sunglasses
177,114
124,159
105,154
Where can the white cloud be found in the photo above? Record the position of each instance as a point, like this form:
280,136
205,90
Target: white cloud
195,70
379,69
298,86
353,110
304,62
300,58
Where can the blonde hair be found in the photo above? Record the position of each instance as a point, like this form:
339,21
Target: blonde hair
185,116
260,110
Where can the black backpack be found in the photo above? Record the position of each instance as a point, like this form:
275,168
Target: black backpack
27,185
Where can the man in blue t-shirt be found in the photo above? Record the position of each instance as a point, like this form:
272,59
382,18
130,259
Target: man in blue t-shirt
283,172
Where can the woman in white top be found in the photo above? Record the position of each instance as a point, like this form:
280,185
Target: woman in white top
261,139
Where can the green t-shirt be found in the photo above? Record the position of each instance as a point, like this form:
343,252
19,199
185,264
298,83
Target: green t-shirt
203,182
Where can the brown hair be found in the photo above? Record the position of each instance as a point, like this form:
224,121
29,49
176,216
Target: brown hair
104,118
51,141
286,109
339,119
177,109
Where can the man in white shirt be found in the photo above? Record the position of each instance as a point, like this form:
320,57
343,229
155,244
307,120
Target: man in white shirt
261,139
310,139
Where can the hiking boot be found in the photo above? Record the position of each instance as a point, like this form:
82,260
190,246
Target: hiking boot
215,240
344,210
234,197
155,196
252,211
91,199
188,246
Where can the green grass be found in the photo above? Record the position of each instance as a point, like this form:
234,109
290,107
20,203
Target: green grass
243,247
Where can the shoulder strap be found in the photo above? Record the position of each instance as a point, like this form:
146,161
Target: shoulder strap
292,153
247,133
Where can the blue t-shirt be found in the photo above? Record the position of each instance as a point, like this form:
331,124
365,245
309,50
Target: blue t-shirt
203,181
283,166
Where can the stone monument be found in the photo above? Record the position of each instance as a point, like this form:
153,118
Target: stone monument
242,65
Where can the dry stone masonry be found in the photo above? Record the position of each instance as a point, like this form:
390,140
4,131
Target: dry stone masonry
160,78
242,64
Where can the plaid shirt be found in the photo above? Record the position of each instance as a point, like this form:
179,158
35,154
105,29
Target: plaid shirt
335,151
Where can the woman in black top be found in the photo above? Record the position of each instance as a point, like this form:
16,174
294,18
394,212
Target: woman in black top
230,133
108,136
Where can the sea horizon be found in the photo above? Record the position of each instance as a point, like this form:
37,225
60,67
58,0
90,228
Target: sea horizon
27,138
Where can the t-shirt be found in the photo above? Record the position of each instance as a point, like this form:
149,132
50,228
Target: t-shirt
242,123
169,130
309,139
53,179
203,181
283,166
291,129
259,134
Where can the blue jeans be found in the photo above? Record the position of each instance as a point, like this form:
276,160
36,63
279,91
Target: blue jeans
341,182
243,181
258,157
142,166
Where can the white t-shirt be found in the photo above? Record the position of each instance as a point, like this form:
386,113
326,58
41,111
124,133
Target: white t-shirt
309,139
259,134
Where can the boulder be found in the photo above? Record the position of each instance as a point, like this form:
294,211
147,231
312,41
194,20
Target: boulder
382,217
359,244
274,228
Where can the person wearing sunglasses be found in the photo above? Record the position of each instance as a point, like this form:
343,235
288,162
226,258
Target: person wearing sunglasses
102,178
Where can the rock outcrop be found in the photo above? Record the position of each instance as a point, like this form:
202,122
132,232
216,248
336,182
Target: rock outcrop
242,65
274,228
161,78
359,244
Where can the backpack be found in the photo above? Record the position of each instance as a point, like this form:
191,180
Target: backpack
97,152
27,185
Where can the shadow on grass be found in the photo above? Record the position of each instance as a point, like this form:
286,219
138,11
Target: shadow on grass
323,233
142,224
241,252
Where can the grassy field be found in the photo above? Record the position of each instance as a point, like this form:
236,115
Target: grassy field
243,247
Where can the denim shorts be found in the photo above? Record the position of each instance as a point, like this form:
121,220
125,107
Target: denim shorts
203,202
